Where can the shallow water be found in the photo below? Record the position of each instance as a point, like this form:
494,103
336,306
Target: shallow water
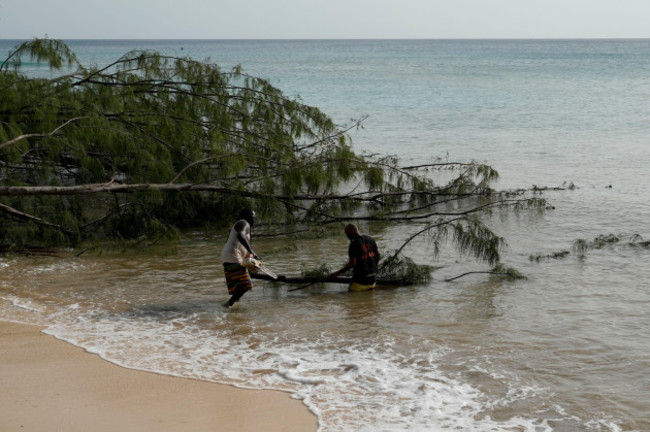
564,350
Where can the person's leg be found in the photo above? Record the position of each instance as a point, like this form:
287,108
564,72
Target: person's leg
236,295
238,281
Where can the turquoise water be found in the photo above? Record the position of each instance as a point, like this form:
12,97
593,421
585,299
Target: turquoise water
564,350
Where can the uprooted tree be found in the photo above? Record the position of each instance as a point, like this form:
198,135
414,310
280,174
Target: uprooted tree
150,144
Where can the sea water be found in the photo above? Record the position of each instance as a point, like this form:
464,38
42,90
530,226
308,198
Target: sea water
566,349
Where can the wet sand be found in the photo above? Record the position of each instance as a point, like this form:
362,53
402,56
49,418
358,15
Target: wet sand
50,385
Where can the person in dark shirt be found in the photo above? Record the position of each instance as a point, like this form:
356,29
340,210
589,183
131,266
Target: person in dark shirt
363,258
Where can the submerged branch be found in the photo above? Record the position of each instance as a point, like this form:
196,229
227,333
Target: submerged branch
499,270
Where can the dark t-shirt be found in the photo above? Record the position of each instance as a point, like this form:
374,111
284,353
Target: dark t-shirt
364,249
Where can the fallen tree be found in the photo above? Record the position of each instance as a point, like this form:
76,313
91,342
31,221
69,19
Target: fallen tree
150,144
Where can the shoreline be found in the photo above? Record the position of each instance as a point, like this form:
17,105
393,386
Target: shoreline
49,384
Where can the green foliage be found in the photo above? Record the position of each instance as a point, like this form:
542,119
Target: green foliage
554,255
603,240
320,272
507,272
404,269
582,246
154,119
471,236
54,52
375,177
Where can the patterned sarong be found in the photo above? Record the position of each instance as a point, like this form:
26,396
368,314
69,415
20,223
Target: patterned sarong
237,277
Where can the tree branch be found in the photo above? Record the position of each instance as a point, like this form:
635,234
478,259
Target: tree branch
417,234
490,272
13,212
112,187
25,136
315,280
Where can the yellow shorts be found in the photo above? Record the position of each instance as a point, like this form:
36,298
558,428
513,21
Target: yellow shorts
360,287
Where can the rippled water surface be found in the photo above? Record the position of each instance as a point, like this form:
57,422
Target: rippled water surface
564,350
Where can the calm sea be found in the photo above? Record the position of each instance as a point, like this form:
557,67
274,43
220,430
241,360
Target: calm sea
567,349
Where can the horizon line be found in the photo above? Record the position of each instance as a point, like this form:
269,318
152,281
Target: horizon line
341,39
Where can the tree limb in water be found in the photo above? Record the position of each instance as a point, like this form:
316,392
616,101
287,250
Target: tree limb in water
498,271
315,280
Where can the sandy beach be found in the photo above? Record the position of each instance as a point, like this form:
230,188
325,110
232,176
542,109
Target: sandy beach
50,385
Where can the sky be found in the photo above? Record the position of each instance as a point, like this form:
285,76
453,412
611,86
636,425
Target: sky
323,19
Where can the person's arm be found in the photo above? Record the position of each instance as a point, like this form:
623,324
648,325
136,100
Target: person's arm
351,263
240,229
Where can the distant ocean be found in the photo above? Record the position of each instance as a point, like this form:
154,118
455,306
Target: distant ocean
567,349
